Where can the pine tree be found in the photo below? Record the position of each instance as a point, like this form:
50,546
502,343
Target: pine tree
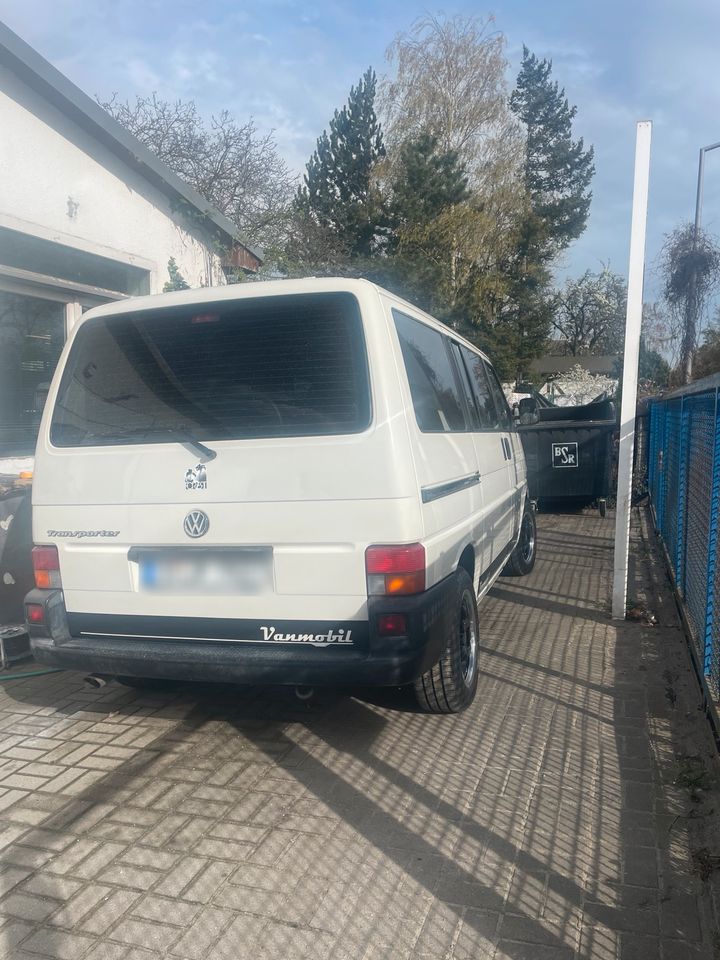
427,206
426,182
558,169
338,192
507,311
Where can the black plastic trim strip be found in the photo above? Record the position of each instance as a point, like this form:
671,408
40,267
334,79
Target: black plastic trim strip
439,490
497,563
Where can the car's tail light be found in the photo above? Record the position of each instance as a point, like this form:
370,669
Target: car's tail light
395,570
391,625
46,565
34,613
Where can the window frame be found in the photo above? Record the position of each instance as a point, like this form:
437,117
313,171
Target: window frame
446,341
505,406
485,365
363,366
469,397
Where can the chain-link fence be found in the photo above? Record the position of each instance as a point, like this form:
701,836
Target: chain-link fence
683,471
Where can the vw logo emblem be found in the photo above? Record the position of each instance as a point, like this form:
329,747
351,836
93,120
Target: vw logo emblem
196,524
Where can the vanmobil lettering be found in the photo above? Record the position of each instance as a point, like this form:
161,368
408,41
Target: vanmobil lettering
318,639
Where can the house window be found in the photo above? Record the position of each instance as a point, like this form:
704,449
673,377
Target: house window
32,333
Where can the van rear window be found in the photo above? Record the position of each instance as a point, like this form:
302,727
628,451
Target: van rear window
267,367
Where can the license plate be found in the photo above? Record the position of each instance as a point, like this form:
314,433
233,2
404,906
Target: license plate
246,572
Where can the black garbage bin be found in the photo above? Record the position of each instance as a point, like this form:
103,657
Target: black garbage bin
568,452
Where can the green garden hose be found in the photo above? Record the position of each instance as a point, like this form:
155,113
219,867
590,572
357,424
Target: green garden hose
35,673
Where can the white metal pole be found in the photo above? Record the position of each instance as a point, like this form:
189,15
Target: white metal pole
628,404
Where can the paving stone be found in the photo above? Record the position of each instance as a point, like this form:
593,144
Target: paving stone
163,909
107,951
145,934
44,885
534,951
12,933
113,906
679,917
26,907
78,906
47,839
127,875
165,830
198,942
203,887
641,866
638,947
180,876
104,854
222,849
60,944
544,823
11,876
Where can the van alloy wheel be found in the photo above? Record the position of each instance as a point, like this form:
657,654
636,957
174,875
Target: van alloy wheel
449,686
522,559
468,641
527,538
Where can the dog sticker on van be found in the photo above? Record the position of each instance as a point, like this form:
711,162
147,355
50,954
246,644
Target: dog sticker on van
196,477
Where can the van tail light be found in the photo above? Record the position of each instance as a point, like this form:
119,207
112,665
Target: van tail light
35,613
46,565
393,571
392,625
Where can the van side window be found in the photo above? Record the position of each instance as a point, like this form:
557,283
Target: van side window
433,386
501,403
487,410
466,386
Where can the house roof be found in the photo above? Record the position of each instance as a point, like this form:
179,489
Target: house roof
550,365
27,64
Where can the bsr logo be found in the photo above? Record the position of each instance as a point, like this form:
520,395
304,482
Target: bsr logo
565,454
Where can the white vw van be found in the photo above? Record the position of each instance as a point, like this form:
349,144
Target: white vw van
301,482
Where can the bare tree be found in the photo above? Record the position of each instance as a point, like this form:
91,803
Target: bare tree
658,330
690,267
233,166
450,83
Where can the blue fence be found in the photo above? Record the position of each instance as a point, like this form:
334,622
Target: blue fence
683,474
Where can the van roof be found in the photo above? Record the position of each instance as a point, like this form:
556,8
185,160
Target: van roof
264,288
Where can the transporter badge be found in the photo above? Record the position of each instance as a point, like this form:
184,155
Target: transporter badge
196,477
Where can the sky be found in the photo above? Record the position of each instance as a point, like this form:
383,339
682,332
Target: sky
290,63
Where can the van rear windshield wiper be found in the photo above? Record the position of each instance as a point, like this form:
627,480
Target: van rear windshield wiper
181,434
185,436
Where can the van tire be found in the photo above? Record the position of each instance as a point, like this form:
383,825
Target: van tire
522,559
449,686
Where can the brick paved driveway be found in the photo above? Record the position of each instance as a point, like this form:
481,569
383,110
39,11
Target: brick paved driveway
231,824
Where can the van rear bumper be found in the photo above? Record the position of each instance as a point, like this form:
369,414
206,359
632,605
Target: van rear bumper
143,646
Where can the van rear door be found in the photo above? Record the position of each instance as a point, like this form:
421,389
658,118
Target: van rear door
279,388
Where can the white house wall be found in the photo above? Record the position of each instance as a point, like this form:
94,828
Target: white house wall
57,182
